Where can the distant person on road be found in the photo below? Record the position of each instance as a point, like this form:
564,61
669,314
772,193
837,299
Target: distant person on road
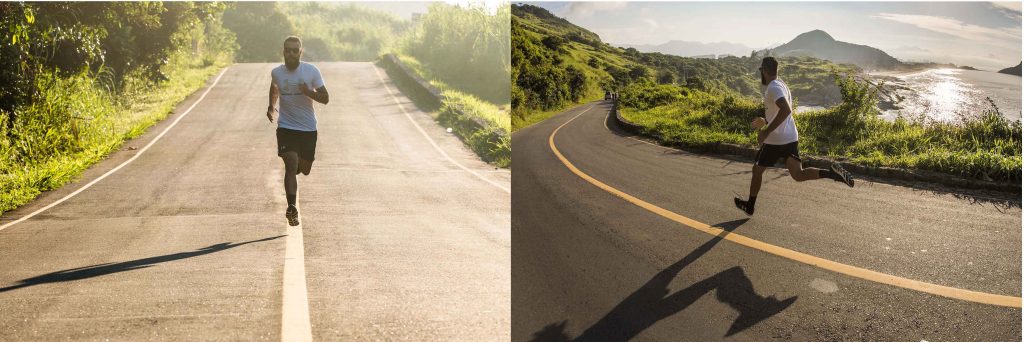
297,84
779,139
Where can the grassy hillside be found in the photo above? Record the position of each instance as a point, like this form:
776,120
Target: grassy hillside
556,64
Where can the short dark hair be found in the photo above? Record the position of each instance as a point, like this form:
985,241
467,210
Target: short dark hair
770,65
293,39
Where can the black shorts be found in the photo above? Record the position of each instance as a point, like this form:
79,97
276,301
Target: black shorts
301,142
770,154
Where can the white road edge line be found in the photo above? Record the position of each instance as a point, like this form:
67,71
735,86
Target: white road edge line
141,151
295,325
424,133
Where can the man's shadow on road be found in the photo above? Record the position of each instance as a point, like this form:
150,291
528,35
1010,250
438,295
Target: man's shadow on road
109,268
653,302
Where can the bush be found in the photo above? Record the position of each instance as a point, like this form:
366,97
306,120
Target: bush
646,95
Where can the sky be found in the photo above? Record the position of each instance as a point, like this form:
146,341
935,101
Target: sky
984,35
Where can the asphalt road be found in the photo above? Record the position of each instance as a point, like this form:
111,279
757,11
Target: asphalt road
590,266
403,238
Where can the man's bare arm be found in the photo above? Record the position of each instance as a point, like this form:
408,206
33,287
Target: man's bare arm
318,95
274,94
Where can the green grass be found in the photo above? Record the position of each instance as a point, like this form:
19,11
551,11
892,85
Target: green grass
79,120
534,116
986,147
480,124
490,139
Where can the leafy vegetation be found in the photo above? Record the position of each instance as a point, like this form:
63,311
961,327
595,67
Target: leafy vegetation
464,52
464,48
556,64
260,29
347,32
86,76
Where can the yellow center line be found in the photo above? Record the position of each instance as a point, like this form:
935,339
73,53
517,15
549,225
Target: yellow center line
862,273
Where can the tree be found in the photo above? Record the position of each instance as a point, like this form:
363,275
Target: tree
638,71
665,77
577,83
260,29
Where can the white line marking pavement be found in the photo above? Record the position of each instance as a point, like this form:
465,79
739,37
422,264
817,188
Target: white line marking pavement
142,150
295,325
438,148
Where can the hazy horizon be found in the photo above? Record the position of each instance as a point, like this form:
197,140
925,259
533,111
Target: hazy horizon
984,35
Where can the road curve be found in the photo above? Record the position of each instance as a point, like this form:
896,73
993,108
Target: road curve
589,265
403,240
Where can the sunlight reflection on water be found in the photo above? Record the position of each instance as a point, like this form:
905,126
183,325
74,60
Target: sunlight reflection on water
951,95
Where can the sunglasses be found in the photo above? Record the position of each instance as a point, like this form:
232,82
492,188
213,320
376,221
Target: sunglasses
291,50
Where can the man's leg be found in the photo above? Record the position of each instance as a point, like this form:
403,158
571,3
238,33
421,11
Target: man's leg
800,174
755,187
755,179
291,165
304,167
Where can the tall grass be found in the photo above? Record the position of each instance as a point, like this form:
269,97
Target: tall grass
464,52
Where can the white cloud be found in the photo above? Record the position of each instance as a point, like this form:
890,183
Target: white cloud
1009,9
910,49
956,28
586,9
1013,6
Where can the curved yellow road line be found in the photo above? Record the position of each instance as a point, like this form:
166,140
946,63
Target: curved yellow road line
866,274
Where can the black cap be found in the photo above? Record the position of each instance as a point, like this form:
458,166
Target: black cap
770,65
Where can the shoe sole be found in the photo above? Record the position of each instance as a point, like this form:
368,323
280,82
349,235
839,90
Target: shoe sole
292,221
847,176
737,206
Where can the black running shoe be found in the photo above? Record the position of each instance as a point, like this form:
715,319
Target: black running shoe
846,176
292,215
743,206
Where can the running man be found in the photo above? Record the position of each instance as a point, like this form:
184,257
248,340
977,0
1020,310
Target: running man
780,139
297,84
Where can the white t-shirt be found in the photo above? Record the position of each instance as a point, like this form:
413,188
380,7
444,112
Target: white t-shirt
786,132
296,109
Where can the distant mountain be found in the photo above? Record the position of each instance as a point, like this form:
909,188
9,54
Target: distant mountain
1011,70
694,49
821,45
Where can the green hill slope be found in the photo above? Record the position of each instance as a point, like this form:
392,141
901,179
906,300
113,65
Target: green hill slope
556,64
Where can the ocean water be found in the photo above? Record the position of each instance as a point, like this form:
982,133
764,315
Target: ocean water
950,95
